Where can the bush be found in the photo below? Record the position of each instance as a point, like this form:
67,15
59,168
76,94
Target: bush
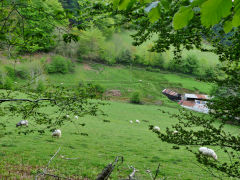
188,65
8,83
149,68
59,64
99,88
125,57
10,72
135,99
22,73
91,45
93,90
40,86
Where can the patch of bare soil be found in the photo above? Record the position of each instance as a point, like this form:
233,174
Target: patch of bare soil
25,172
87,67
158,102
113,92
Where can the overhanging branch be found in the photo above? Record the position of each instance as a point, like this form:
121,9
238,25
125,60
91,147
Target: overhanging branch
28,100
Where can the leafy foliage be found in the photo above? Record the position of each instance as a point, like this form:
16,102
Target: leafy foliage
59,64
30,23
61,100
135,99
188,32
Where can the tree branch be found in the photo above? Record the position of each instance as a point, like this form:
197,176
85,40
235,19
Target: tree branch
28,100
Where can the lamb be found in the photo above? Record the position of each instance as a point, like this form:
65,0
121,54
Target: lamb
22,123
156,128
131,121
57,133
137,121
208,152
76,117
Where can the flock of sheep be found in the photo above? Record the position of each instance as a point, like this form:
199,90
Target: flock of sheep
203,150
57,133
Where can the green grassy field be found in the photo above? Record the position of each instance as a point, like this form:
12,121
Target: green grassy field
128,80
23,155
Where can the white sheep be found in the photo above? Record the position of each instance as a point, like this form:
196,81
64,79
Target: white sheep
22,123
175,132
76,117
156,128
131,121
137,121
208,152
67,116
57,133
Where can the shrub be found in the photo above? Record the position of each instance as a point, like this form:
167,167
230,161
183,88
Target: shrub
22,73
135,99
158,61
8,83
59,64
91,45
99,88
10,72
93,90
190,65
40,86
149,68
125,57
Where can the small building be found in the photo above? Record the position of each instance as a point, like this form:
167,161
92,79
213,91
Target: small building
172,95
195,102
192,97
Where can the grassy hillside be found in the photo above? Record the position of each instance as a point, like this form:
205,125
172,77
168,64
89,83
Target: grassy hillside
128,80
139,146
21,155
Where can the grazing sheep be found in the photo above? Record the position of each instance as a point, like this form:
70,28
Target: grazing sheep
67,116
76,117
208,152
22,123
137,121
57,133
156,128
131,121
175,132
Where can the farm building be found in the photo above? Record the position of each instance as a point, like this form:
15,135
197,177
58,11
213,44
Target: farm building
172,95
195,102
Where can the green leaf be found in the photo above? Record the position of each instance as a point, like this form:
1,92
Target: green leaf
182,17
227,26
197,3
123,4
212,11
236,17
154,14
145,1
115,4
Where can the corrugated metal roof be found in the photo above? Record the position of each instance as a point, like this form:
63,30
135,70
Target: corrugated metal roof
199,106
196,96
170,92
